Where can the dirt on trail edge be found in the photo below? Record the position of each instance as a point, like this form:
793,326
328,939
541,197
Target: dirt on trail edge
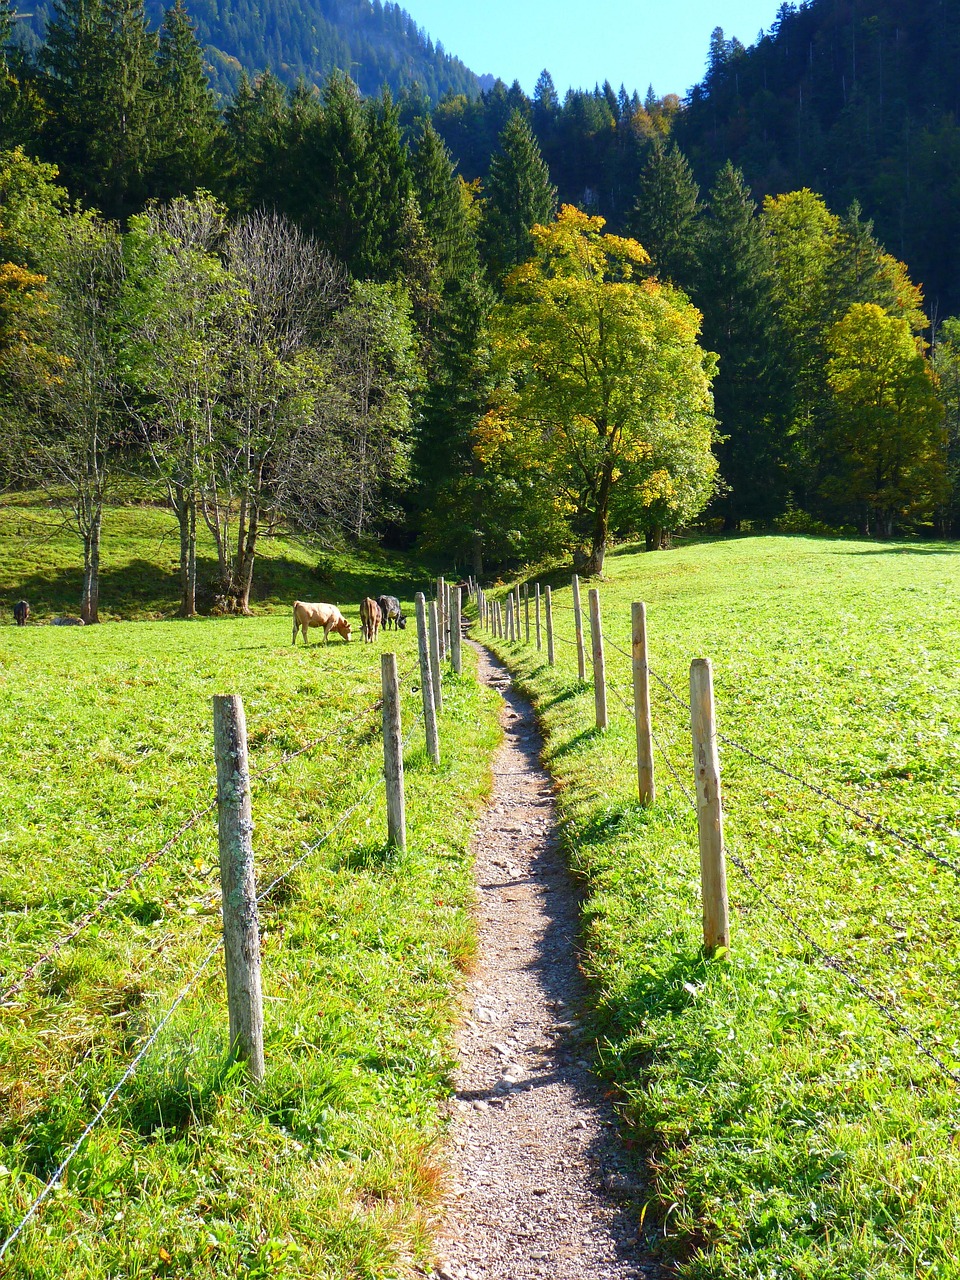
542,1186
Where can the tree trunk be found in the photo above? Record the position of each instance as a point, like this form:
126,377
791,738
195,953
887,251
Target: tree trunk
593,564
653,537
90,602
185,506
477,555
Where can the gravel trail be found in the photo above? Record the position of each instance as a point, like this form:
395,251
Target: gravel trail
541,1184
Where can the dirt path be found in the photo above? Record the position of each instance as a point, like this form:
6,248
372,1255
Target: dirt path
542,1185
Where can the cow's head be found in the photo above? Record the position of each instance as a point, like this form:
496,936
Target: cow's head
344,628
402,622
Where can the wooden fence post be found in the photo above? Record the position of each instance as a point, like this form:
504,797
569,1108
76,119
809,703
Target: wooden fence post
599,669
510,615
435,657
447,622
456,656
641,706
517,611
526,609
241,930
426,680
706,765
549,628
393,752
578,623
441,625
537,594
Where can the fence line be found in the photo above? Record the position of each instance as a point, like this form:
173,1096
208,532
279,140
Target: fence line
827,958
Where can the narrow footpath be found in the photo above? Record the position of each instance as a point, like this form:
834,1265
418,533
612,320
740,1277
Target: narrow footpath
542,1186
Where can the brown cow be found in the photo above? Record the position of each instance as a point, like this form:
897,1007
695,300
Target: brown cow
370,619
327,616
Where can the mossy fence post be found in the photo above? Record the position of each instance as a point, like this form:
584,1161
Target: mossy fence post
435,657
578,623
599,668
706,766
426,680
393,752
456,606
641,706
241,930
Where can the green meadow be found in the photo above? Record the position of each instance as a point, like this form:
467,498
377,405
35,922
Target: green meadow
792,1126
331,1167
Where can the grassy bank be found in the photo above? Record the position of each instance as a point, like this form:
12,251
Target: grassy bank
328,1169
42,562
793,1130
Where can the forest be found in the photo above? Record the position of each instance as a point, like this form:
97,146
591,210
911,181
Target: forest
499,327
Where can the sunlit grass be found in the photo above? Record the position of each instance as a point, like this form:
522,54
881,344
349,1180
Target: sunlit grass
792,1131
328,1169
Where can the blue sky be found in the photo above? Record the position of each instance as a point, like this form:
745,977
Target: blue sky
582,42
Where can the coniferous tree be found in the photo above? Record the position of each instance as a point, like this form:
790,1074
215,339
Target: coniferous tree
99,64
518,195
664,217
734,293
188,126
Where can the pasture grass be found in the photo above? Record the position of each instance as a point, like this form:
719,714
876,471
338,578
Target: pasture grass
42,561
791,1130
330,1168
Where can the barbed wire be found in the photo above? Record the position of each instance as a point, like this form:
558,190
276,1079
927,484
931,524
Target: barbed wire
871,821
98,909
131,877
838,966
672,769
131,1068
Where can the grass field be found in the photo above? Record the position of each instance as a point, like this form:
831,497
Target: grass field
792,1129
329,1169
43,563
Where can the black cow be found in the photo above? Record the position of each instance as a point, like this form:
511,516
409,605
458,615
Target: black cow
21,612
390,612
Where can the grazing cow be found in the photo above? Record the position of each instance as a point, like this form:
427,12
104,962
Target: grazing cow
68,622
21,612
327,616
370,619
390,609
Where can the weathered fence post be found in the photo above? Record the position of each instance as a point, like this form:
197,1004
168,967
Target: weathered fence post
441,624
241,930
426,680
456,656
393,752
510,615
641,705
537,594
706,765
517,608
435,657
578,623
526,609
599,669
549,603
447,622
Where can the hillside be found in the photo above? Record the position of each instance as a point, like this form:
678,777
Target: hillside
854,100
378,44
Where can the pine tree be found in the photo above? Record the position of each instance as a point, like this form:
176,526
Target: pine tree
664,217
188,126
734,294
442,207
518,195
99,64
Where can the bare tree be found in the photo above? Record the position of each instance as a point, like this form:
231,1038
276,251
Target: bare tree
291,287
70,389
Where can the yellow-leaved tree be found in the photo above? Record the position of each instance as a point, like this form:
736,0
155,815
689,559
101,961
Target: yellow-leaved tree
602,406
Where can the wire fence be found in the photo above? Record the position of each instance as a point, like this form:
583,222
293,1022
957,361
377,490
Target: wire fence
797,930
53,1182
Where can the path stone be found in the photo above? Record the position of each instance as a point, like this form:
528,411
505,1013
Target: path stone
541,1185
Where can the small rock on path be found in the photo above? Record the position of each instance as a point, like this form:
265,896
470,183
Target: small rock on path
542,1186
